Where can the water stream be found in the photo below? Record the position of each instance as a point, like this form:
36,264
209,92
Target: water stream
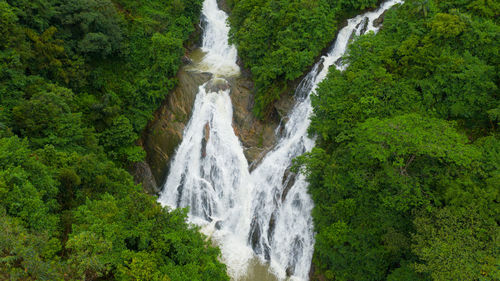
263,217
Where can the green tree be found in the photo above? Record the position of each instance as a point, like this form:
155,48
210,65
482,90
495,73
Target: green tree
93,27
48,119
457,244
405,175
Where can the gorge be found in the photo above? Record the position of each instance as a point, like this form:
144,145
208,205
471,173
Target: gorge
250,140
264,212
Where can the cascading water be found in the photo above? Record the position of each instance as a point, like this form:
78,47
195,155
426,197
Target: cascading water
282,229
220,57
209,172
268,212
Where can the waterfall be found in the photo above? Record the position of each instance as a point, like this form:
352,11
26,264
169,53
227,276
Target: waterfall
266,213
220,57
281,206
209,172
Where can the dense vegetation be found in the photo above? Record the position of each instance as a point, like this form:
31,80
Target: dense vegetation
79,79
279,39
405,176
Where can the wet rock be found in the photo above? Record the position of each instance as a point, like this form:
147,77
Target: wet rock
288,181
244,72
361,26
272,225
223,6
339,62
246,84
256,136
364,26
204,140
283,106
218,225
351,37
254,237
208,217
180,189
186,60
378,21
143,175
164,133
314,273
216,85
321,66
254,155
289,271
267,252
206,132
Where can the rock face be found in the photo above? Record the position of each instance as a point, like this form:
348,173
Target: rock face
224,6
378,21
143,175
217,84
256,136
164,133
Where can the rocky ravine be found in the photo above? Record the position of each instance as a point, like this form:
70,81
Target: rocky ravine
164,133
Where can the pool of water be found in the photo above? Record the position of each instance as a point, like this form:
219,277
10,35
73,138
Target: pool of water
258,272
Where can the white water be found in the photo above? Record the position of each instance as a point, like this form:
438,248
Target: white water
289,244
220,57
266,213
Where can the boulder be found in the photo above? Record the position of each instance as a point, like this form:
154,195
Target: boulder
364,26
216,85
186,60
378,21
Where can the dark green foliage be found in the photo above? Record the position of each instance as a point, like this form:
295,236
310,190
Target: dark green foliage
78,82
279,39
118,58
47,119
405,176
91,27
28,255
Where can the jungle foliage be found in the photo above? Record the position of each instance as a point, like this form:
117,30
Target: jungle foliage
279,39
79,79
405,176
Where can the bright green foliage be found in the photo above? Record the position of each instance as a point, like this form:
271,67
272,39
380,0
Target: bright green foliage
405,176
457,244
27,189
368,189
279,39
78,81
147,243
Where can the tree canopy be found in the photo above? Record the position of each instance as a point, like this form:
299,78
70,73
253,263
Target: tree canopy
78,81
279,40
405,173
